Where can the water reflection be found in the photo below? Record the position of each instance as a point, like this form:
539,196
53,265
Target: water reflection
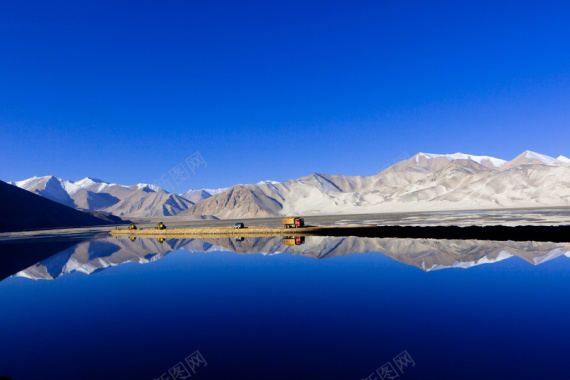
331,308
427,254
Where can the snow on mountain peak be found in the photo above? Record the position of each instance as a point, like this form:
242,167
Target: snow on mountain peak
154,188
30,181
38,182
72,187
526,157
531,157
495,162
89,180
541,157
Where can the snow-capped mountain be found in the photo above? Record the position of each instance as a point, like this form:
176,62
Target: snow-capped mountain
530,158
91,194
424,182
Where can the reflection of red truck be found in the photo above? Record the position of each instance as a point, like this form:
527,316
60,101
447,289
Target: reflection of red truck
293,240
292,222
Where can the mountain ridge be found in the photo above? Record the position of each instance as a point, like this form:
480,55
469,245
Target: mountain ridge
424,182
140,200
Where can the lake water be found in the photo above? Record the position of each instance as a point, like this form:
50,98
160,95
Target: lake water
329,308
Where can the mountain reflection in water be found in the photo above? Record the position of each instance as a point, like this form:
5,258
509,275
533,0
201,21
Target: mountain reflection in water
427,254
271,311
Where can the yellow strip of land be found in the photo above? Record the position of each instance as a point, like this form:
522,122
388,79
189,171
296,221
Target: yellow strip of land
222,232
518,233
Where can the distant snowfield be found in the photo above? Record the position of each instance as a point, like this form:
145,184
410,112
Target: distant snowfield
482,160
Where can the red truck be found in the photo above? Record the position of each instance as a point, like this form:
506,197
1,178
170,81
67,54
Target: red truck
293,222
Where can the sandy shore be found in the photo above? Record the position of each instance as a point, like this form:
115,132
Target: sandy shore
229,231
500,233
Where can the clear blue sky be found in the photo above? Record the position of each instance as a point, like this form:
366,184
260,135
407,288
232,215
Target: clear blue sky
123,91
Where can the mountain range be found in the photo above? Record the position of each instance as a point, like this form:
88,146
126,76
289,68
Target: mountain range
91,194
424,182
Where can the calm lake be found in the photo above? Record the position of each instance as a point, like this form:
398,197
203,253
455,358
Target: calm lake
269,308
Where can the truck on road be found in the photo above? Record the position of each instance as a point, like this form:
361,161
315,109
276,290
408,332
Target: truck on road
293,222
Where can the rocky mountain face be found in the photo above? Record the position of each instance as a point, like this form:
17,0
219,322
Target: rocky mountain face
241,200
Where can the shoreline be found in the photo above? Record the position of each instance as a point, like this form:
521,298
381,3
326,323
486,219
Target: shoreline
498,233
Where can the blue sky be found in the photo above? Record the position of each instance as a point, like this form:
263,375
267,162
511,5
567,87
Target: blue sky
124,91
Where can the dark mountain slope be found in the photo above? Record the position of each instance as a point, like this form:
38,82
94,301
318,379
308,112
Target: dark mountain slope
23,210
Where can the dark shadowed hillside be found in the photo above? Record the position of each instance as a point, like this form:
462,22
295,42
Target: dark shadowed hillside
23,210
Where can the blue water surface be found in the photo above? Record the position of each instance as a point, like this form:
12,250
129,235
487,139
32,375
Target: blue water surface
254,316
